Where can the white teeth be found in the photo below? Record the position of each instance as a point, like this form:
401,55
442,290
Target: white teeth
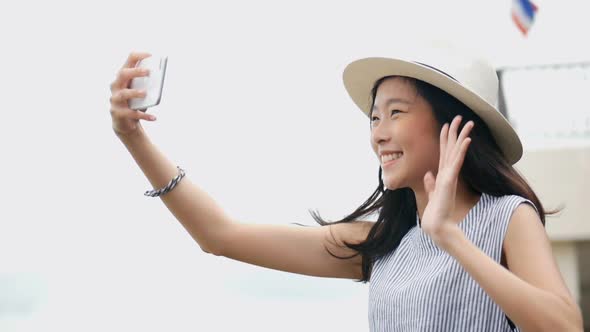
388,157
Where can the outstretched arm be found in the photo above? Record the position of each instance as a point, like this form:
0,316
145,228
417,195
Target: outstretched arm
289,248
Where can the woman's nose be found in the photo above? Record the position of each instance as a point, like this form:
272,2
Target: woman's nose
381,132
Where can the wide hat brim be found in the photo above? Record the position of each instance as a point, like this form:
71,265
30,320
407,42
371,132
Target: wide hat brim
360,76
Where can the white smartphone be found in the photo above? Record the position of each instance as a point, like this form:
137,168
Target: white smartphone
153,84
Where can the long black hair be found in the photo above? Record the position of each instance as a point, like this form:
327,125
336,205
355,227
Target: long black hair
484,170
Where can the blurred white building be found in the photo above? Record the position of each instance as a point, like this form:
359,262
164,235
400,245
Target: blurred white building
548,106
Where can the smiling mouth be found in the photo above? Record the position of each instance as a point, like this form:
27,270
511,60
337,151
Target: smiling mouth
391,159
390,163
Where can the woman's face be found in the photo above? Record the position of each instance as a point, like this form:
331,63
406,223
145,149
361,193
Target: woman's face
403,122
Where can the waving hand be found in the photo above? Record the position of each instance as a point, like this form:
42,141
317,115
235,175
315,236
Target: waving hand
441,189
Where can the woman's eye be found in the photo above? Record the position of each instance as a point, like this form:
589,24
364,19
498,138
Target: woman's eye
392,113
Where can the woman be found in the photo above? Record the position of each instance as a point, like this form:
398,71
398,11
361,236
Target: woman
459,244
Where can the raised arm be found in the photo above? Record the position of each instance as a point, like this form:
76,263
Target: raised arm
291,248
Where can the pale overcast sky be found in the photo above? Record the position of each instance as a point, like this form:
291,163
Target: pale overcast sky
253,109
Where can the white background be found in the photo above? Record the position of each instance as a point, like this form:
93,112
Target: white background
253,109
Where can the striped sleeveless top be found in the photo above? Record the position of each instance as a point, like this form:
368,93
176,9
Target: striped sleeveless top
419,287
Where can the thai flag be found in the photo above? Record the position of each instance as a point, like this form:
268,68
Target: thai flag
523,14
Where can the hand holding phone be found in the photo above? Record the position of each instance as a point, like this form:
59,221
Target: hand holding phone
152,84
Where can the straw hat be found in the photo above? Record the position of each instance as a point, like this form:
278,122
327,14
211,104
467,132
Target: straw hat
470,79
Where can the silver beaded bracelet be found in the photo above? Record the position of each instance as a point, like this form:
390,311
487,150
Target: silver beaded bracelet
168,187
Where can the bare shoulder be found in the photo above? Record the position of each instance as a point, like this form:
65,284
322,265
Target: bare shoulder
525,225
525,229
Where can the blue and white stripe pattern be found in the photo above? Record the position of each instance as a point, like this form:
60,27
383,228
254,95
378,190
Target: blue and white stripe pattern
419,287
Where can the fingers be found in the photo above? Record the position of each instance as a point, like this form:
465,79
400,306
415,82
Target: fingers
452,138
123,95
127,113
443,145
451,146
462,136
128,70
458,162
141,115
119,105
126,120
134,58
125,75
